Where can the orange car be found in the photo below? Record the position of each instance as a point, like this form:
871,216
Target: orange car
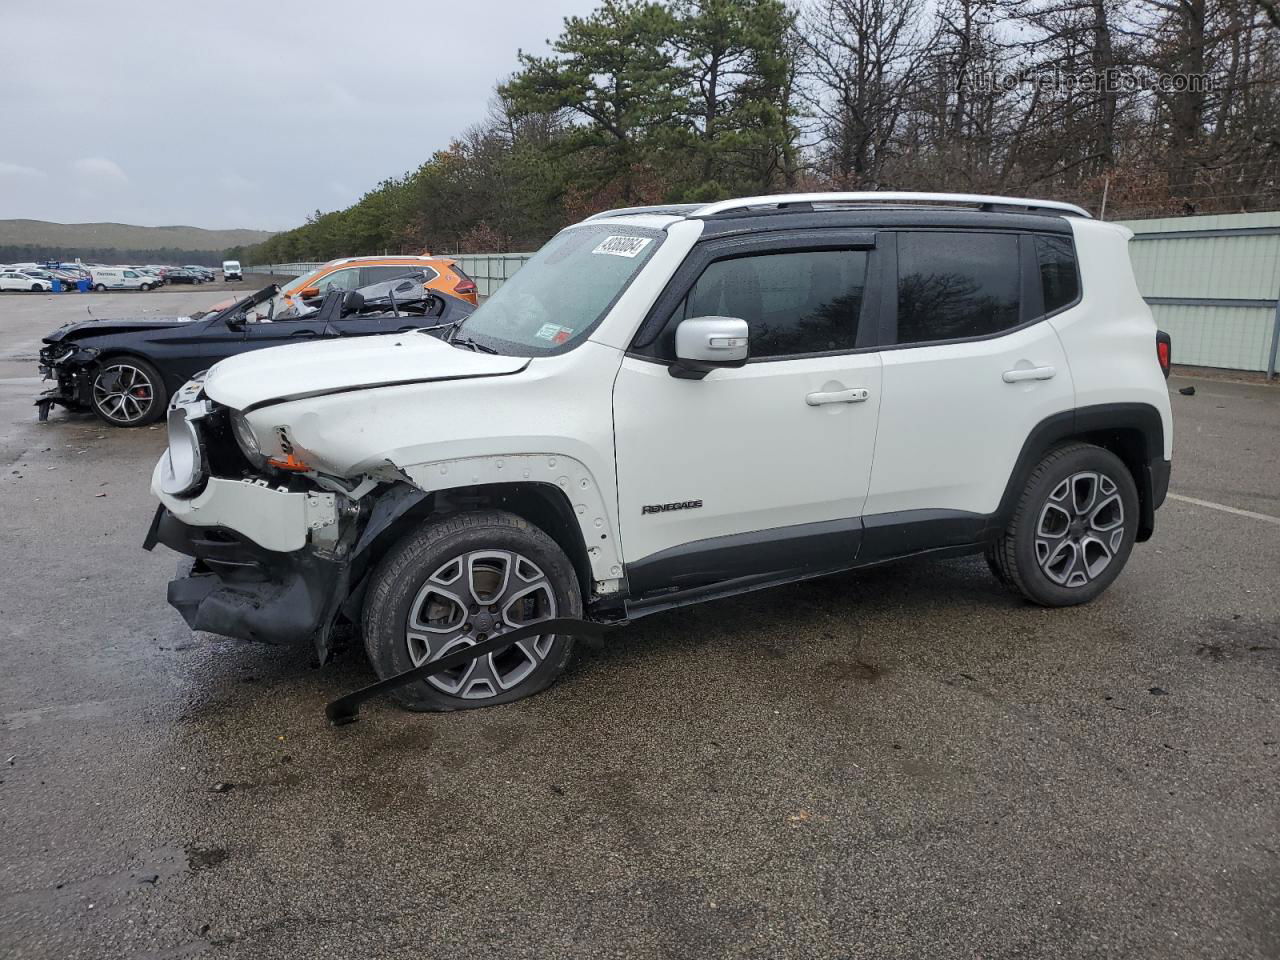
443,275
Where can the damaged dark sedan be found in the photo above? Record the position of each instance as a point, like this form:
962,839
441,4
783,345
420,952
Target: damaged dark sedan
126,370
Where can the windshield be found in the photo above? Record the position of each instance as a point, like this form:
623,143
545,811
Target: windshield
556,299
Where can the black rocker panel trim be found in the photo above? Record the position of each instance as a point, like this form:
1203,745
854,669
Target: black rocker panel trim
905,533
788,552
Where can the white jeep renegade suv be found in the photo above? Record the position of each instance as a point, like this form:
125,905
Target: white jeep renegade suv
673,404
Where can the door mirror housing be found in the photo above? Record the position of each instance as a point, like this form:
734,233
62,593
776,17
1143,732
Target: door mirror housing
705,343
306,293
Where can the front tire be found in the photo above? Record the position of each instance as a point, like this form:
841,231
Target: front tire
456,582
1072,530
128,392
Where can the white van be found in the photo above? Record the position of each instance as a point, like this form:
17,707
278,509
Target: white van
121,278
231,270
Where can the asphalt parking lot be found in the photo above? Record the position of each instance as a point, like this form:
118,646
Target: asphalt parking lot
903,762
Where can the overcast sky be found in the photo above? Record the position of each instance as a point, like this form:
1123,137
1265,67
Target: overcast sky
241,114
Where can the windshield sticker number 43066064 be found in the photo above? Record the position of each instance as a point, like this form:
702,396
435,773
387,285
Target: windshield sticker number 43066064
622,246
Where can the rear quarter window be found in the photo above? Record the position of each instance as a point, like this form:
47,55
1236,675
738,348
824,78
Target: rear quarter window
1059,278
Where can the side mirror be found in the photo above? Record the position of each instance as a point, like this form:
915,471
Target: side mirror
705,343
306,293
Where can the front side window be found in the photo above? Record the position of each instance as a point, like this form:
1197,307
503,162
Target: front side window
1058,277
556,299
794,303
954,285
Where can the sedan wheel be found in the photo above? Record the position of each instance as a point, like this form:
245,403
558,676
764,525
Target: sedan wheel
128,393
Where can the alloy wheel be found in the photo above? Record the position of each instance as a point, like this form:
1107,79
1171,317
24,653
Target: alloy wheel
1080,529
123,393
473,598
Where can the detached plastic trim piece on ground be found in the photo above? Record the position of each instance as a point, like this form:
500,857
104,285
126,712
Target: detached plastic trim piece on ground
346,709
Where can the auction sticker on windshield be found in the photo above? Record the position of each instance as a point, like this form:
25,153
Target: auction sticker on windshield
554,332
622,246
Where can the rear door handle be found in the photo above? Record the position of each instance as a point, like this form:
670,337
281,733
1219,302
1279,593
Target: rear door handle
1019,374
852,395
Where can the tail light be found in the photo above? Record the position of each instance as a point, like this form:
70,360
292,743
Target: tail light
1164,352
465,286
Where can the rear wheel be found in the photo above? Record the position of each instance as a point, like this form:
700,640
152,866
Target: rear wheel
458,582
1072,530
128,392
101,287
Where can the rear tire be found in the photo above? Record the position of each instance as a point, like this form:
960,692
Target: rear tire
1072,530
459,580
101,288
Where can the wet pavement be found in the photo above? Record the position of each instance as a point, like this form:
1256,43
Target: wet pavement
904,762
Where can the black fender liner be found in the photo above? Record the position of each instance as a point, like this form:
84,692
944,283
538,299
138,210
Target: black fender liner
1098,423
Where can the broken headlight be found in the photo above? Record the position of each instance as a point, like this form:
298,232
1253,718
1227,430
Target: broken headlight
245,439
183,462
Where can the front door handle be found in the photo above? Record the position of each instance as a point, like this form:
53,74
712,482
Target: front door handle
852,395
1019,374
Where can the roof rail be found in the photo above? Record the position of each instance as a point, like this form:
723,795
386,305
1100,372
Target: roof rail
879,196
669,209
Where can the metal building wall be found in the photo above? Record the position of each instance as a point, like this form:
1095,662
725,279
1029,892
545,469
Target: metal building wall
1213,284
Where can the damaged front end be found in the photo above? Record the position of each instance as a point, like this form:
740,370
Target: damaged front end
271,555
71,366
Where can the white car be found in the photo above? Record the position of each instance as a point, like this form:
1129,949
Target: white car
122,278
231,270
672,404
17,280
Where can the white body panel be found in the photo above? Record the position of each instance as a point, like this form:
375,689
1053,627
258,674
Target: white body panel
295,370
1110,334
951,427
552,407
746,443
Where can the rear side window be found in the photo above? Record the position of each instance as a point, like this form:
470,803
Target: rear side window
794,303
1058,276
956,285
378,274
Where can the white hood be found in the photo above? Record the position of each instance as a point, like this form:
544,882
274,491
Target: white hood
333,366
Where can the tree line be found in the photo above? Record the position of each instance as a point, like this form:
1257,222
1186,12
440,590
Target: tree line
1153,107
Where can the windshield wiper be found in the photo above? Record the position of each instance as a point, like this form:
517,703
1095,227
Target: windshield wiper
471,345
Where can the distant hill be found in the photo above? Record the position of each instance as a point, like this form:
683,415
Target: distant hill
26,240
68,237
